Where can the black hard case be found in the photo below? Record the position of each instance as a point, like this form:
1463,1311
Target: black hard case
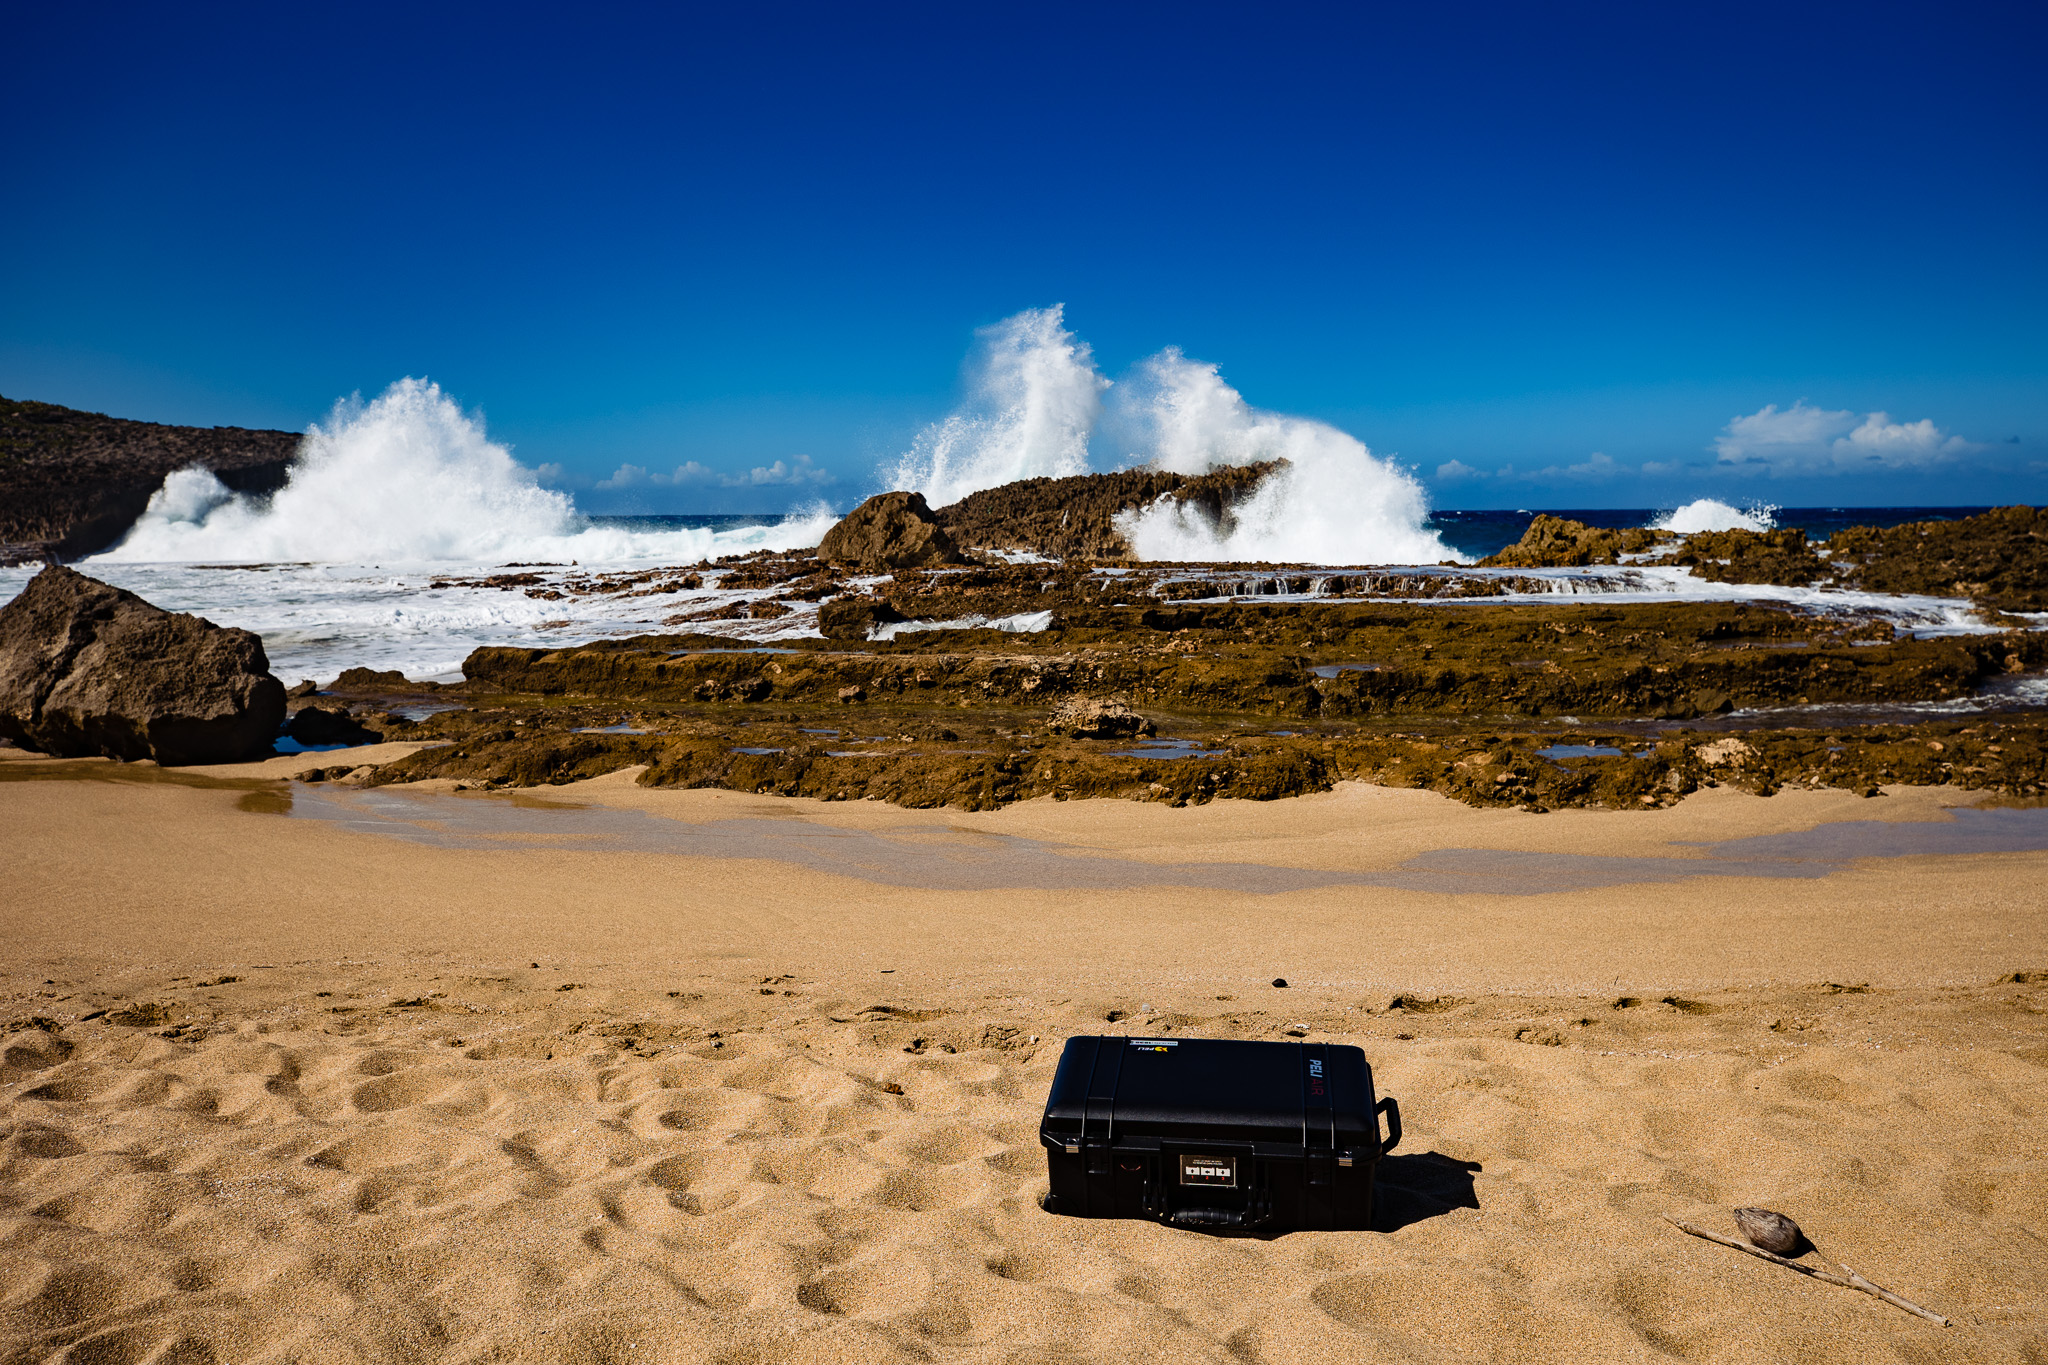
1215,1133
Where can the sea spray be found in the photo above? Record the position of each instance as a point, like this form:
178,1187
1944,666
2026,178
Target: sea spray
1711,514
410,478
1033,396
1334,502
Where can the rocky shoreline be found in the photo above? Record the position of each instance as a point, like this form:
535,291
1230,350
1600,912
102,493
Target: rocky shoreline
1535,706
909,659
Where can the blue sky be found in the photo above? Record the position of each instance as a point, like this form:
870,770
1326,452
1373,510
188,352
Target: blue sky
1546,256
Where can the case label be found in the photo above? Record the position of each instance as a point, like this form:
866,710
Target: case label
1153,1044
1208,1170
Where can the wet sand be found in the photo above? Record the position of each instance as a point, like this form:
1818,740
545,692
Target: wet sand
517,1099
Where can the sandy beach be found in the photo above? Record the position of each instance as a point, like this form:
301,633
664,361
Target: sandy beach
605,1073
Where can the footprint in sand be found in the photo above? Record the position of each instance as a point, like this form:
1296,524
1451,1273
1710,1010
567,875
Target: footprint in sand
30,1052
39,1142
401,1090
66,1090
948,1145
927,1191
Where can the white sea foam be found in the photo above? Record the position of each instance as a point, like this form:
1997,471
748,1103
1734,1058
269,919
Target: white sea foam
1033,397
1023,623
409,479
1335,502
1711,514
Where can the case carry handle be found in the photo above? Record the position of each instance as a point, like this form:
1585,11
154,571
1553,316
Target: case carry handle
1218,1218
1393,1113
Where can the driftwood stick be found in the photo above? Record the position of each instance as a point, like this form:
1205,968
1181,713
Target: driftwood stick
1858,1282
1849,1280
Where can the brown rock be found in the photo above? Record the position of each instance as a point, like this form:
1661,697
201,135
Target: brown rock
889,531
1096,718
88,669
1075,517
316,726
854,618
1558,542
377,681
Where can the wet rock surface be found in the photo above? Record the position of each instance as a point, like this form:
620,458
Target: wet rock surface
1782,556
88,669
72,482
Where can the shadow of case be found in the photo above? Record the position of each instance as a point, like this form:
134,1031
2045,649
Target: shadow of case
1214,1133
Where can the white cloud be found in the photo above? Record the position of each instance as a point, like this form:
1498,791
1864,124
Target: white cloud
795,472
1598,465
1807,440
1594,468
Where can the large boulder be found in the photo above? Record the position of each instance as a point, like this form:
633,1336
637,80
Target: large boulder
86,668
889,531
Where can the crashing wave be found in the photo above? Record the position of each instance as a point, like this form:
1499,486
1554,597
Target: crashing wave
1711,514
1035,399
1032,401
1332,502
410,478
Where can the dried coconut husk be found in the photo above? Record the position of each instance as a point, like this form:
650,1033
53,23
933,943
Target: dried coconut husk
1770,1230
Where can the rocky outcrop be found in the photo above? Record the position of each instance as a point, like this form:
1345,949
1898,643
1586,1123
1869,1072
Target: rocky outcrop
889,531
88,669
1561,543
72,483
1999,558
1075,518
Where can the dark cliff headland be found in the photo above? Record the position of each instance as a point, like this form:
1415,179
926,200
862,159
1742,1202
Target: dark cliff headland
72,482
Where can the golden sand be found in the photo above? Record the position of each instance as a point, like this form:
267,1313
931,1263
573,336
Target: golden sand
346,1097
